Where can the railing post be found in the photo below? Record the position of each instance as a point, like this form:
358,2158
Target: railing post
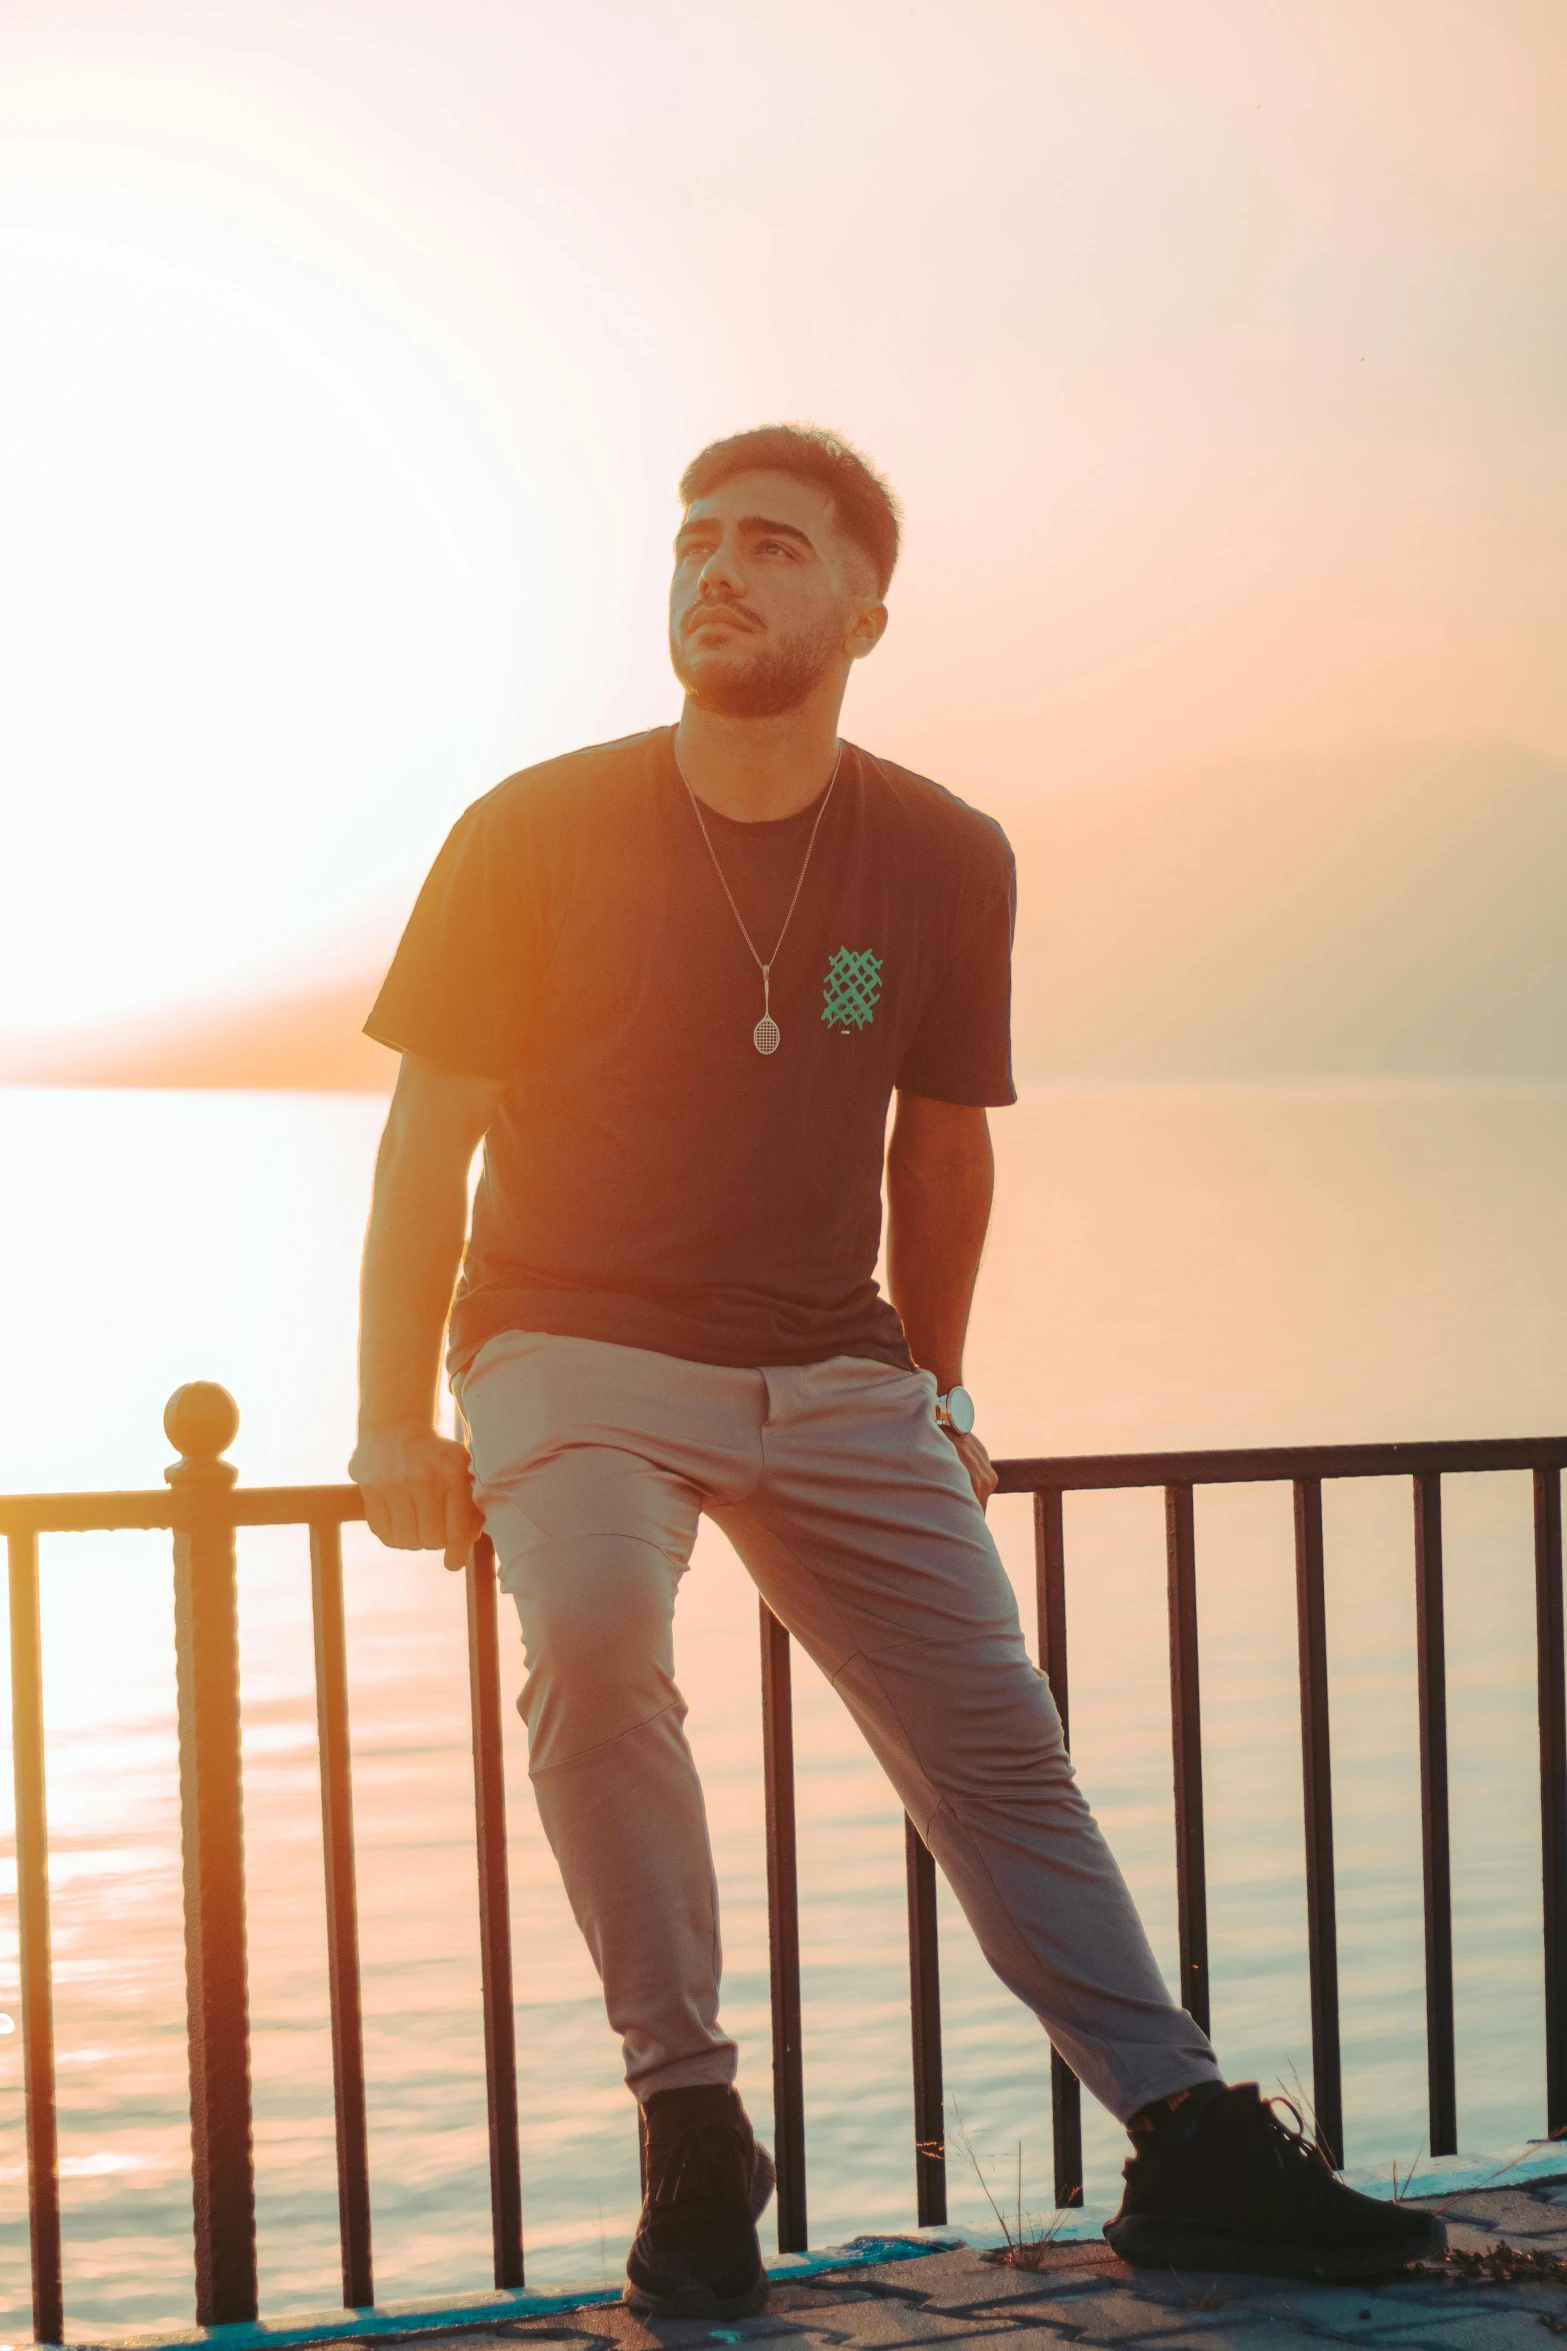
500,2021
1317,1778
342,1914
202,1421
1191,1875
1553,1785
32,1902
1066,2095
1435,1855
930,2149
783,1930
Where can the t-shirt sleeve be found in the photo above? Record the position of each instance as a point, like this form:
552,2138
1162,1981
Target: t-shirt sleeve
962,1049
467,972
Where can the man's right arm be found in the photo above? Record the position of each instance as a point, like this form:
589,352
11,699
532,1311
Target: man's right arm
414,1481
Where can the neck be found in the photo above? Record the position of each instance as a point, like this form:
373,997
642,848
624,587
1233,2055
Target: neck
759,769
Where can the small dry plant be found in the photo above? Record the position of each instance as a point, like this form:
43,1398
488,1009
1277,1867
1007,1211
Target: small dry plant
1500,2173
1299,2097
1502,2264
1027,2241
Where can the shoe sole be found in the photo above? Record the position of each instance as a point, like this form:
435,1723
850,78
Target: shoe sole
701,2301
1148,2241
698,2301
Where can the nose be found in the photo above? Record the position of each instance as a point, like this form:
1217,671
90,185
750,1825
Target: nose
721,574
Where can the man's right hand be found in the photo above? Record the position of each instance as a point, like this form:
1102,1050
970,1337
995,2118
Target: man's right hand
418,1490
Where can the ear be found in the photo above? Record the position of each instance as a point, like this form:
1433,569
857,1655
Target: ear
866,631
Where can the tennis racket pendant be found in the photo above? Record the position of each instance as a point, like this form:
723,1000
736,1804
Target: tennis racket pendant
765,1036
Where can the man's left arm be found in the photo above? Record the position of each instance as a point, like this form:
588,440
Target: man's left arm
940,1177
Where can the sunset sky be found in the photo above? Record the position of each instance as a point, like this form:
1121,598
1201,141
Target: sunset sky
1217,351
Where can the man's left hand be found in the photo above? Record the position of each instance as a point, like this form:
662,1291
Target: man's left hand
977,1462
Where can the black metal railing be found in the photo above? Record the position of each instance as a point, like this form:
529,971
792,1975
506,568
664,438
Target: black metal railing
1306,1469
203,1506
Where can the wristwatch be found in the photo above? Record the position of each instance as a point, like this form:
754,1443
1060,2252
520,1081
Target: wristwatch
955,1412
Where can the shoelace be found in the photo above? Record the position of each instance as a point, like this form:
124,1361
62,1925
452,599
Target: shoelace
1288,2142
699,2161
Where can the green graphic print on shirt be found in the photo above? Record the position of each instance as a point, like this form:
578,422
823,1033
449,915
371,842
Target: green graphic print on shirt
850,989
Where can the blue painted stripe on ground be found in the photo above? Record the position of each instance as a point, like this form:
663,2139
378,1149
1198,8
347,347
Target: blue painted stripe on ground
1452,2175
424,2318
1446,2175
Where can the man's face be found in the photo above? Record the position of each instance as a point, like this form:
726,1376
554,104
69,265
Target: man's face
768,598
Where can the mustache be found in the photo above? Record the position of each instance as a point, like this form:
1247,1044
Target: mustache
720,608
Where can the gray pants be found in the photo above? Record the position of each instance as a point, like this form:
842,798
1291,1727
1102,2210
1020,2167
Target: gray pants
857,1523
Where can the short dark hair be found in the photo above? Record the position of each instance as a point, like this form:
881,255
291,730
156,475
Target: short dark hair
866,510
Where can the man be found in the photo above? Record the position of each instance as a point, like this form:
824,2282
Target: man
673,984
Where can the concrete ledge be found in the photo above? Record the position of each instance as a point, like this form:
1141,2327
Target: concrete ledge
1483,2196
498,2307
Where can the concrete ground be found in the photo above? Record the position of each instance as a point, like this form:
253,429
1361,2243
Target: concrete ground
1083,2295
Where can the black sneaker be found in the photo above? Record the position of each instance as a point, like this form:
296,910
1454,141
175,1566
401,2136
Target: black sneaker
695,2254
1242,2190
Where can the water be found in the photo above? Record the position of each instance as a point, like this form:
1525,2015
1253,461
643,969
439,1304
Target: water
1168,1267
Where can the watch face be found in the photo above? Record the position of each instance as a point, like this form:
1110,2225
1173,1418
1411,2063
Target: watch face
960,1411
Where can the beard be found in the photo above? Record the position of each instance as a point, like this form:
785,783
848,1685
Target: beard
777,676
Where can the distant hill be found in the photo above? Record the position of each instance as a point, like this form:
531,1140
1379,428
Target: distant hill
1376,913
1372,913
309,1042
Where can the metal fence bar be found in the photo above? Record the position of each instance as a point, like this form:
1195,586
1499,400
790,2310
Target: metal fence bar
1317,1776
1191,1874
1436,1864
202,1421
930,2146
1261,1465
242,1506
342,1916
32,1902
783,1933
1553,1785
500,2020
272,1506
1066,2096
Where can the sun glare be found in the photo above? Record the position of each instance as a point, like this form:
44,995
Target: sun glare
357,362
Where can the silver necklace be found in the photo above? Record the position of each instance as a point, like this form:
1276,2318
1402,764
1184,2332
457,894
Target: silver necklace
766,1036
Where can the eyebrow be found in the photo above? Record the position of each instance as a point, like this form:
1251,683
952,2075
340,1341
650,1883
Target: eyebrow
775,530
762,525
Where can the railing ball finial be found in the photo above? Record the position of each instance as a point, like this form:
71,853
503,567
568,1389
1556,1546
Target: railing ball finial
201,1420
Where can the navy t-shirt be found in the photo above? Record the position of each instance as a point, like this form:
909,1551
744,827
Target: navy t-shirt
649,1177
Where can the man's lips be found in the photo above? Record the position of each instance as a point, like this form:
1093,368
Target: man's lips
730,616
